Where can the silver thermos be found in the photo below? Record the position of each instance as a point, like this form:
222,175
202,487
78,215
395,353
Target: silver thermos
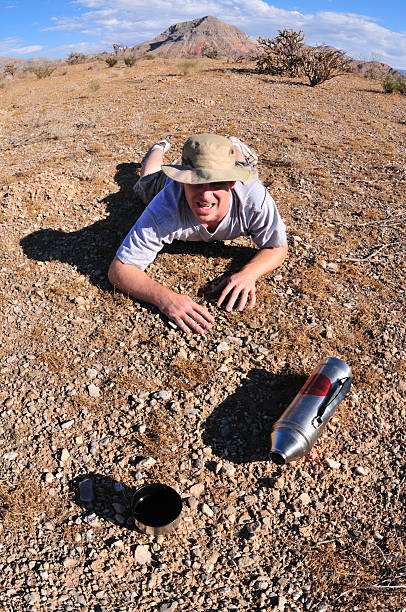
304,419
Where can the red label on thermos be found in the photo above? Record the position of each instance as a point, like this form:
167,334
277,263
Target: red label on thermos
318,384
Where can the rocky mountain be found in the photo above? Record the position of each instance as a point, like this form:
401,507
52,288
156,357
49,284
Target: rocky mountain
199,37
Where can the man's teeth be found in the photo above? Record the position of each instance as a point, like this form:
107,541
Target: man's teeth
206,205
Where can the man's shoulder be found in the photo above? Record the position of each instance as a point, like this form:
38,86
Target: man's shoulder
253,193
166,202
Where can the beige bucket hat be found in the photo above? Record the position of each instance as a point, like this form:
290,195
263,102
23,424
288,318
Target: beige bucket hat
207,158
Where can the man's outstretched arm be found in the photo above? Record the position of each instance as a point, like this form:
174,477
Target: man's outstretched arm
181,309
239,288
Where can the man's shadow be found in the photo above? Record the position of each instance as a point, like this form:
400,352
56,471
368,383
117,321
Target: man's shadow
91,249
238,430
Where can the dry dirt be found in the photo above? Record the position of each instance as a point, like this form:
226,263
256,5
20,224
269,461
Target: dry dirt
315,535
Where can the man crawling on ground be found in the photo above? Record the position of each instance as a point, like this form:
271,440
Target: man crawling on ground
213,194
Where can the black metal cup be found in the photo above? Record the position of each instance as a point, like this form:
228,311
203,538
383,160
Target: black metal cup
156,508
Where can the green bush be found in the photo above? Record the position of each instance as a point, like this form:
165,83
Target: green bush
129,61
43,73
111,61
187,66
393,84
211,54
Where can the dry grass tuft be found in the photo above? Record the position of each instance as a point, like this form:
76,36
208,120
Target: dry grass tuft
350,568
314,282
185,374
21,504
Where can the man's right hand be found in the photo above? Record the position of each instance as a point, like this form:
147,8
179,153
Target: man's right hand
187,314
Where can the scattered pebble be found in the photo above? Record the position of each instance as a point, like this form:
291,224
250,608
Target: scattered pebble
142,554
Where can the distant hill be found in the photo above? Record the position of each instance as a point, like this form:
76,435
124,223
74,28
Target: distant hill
373,70
34,62
198,37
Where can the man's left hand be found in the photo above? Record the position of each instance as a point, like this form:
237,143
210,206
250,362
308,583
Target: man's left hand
237,291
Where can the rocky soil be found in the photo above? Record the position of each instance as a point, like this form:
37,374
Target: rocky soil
100,394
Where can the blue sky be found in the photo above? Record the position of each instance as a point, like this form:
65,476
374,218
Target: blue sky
367,30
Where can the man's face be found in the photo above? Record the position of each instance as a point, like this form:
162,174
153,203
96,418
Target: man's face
209,202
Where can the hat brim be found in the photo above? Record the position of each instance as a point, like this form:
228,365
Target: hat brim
197,176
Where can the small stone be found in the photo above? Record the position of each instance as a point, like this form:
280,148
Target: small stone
192,502
359,469
332,267
262,585
67,424
182,353
146,463
142,554
222,347
64,455
197,490
68,562
49,477
169,606
322,607
80,300
10,456
282,601
163,395
305,499
119,508
93,390
91,373
332,463
207,510
86,490
244,562
32,598
227,470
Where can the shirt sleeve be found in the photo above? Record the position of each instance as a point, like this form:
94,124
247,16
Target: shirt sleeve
266,227
142,243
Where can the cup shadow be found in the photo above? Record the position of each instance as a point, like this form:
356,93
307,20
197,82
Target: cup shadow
239,428
104,497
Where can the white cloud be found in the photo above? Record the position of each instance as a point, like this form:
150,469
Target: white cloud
11,47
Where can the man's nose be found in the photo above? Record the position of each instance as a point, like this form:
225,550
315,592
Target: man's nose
205,189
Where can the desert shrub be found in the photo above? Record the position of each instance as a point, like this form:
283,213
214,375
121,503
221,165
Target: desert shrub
322,63
75,58
111,61
10,69
281,55
393,84
286,54
187,66
129,61
94,85
44,72
211,53
2,85
119,47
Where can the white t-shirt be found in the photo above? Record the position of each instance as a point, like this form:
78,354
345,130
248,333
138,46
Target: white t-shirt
168,217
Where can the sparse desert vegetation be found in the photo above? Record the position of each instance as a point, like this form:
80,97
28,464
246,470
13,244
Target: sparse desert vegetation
92,381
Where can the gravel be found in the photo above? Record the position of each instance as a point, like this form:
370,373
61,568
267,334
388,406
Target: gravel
100,395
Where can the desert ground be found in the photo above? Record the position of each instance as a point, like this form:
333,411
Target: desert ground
100,394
